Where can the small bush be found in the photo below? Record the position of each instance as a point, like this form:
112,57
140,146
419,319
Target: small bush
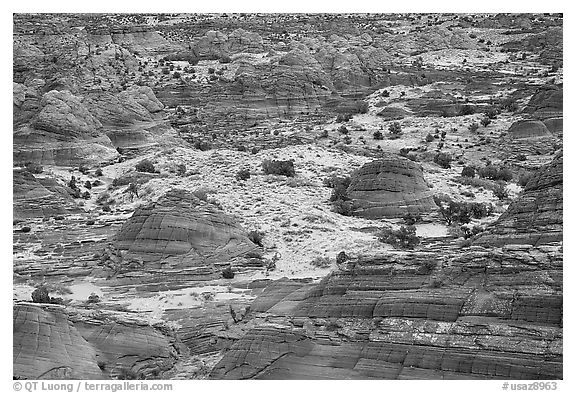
224,59
395,128
242,174
524,177
405,237
378,135
228,273
429,138
500,192
495,173
321,262
485,121
468,171
443,159
411,218
467,110
211,70
98,172
473,127
34,168
88,185
145,166
342,207
83,169
277,167
256,237
343,117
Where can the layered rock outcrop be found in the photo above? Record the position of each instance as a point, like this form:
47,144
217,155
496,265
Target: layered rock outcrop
438,315
536,216
215,44
62,132
42,197
389,187
528,129
182,226
546,103
51,342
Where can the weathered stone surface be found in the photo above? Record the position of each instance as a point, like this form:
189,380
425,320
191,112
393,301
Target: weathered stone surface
536,216
390,187
451,315
546,103
45,342
554,125
525,129
42,197
179,224
51,342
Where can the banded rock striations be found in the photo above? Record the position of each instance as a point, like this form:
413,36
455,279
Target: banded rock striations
389,187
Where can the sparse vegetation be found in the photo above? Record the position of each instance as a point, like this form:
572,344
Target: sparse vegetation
145,166
405,237
278,167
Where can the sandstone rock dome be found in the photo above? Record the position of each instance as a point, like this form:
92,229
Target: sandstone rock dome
524,129
390,187
179,224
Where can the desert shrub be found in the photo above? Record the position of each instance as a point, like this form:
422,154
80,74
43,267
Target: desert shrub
343,130
211,70
165,70
228,273
256,237
202,193
224,59
181,169
98,172
524,177
405,237
342,207
145,166
443,159
83,169
202,145
176,75
343,117
492,113
395,128
41,295
470,232
385,93
467,110
500,192
485,121
411,218
93,298
468,171
88,185
339,188
509,104
321,262
378,135
243,174
86,195
33,168
473,127
427,267
323,134
453,211
520,157
495,173
429,138
480,209
361,106
279,167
